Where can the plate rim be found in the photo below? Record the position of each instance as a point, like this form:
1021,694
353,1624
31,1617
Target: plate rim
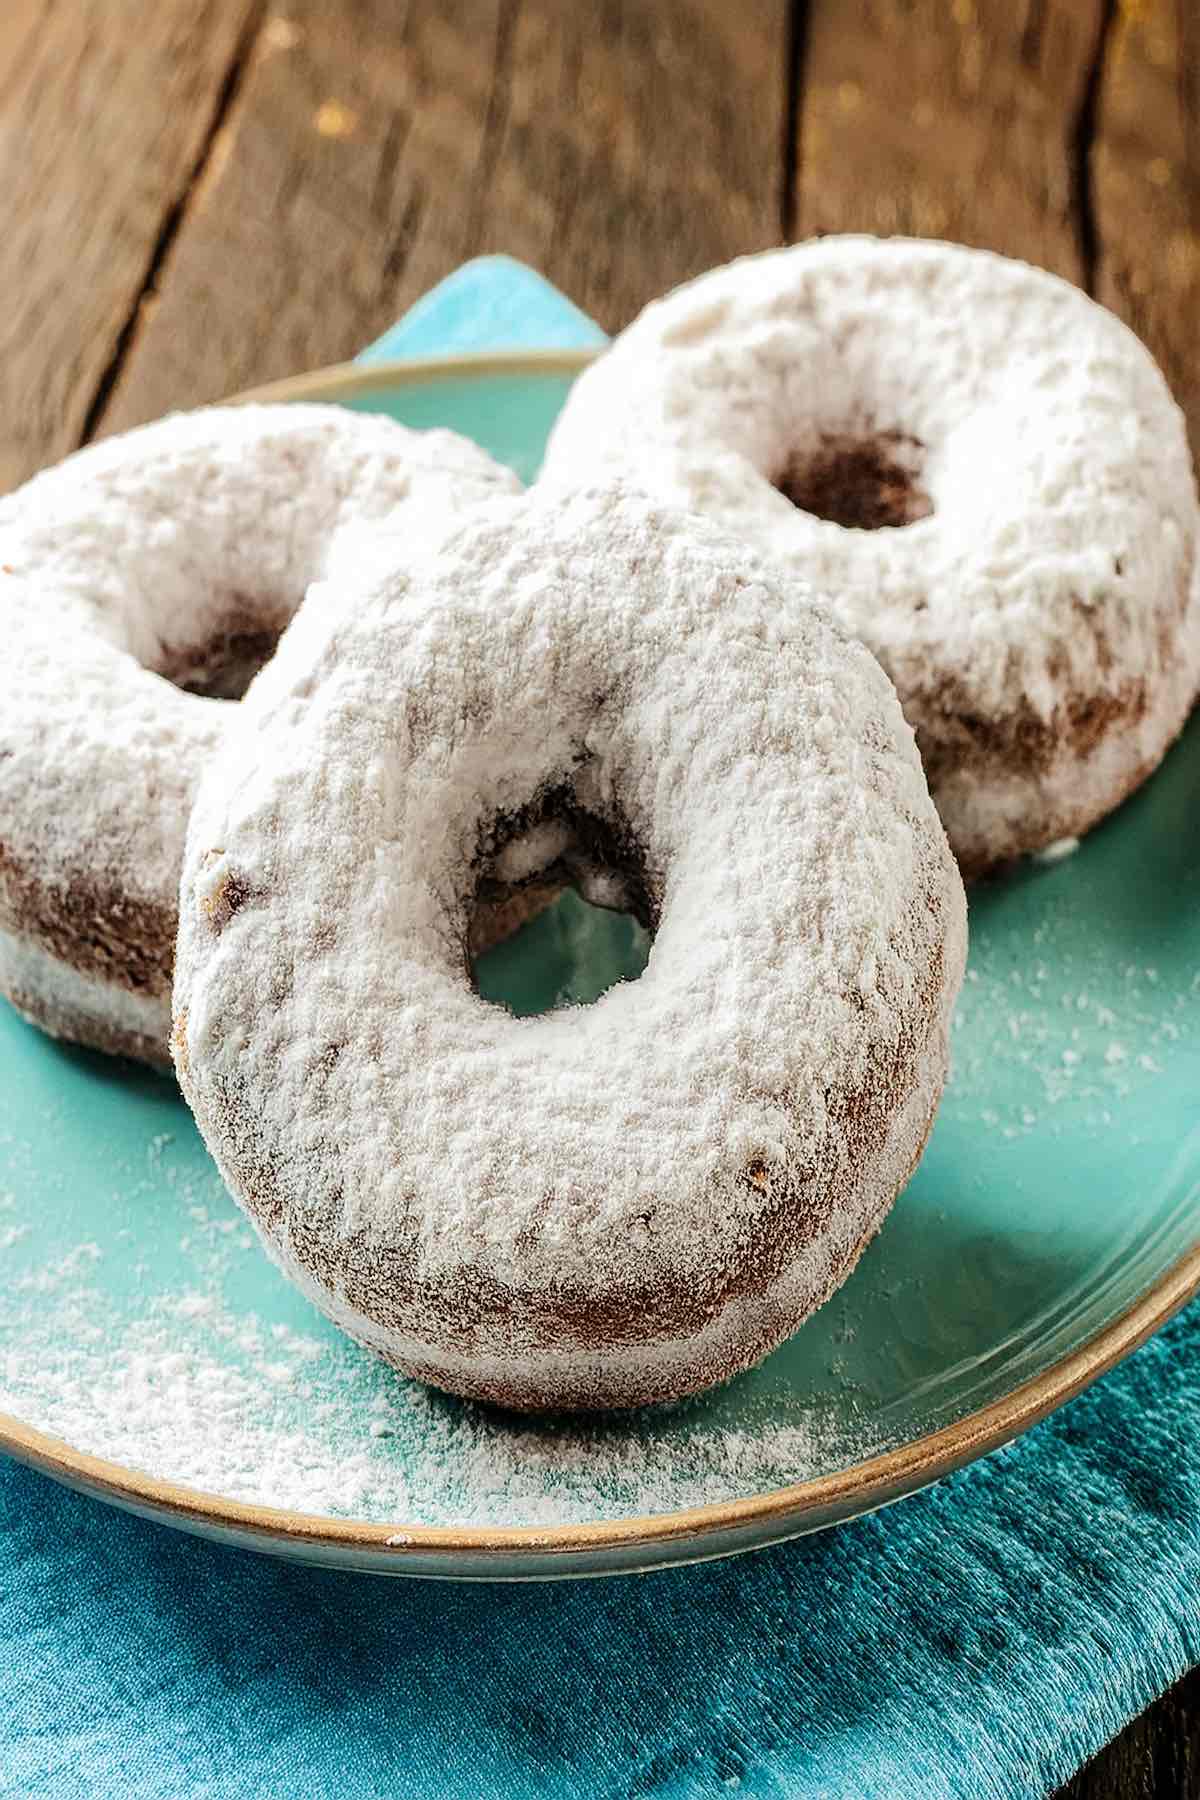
802,1506
661,1538
411,371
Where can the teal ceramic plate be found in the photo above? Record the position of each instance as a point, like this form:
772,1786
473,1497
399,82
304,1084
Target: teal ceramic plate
150,1354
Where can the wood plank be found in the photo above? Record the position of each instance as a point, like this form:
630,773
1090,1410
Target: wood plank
666,152
104,109
1146,170
954,120
1157,1756
618,147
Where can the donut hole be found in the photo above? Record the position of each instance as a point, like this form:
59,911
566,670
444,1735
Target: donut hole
562,909
865,483
224,666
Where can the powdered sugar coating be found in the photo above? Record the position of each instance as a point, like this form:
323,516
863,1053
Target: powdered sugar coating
129,562
610,1204
1042,624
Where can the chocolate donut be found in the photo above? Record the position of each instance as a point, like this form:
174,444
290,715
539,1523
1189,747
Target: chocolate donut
608,1204
141,583
981,468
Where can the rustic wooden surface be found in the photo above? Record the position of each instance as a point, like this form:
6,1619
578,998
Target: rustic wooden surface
957,121
202,194
1146,185
90,190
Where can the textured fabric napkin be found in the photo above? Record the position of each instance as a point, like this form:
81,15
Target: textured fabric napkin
978,1641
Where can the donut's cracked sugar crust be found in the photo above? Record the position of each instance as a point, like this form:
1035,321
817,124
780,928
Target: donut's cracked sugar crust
1039,612
150,562
610,1204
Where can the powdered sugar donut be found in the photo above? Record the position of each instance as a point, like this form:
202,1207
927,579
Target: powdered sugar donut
1031,590
609,1204
164,561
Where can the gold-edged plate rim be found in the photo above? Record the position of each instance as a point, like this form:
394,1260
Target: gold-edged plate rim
641,1542
361,378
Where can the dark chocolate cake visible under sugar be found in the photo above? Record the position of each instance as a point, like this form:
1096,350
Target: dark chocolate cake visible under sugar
534,853
862,483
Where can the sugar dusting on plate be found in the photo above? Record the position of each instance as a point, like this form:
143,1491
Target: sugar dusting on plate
212,1397
153,1346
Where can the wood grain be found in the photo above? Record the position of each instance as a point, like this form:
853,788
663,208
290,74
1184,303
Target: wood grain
1157,1757
1146,172
619,148
104,109
949,118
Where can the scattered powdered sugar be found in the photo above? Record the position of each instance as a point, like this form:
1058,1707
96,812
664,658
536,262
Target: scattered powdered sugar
1058,851
219,1401
1071,1031
1055,561
151,1331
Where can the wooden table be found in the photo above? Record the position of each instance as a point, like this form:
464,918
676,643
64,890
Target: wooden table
204,194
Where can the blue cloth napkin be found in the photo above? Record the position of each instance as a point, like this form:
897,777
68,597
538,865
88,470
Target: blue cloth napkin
978,1641
492,303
